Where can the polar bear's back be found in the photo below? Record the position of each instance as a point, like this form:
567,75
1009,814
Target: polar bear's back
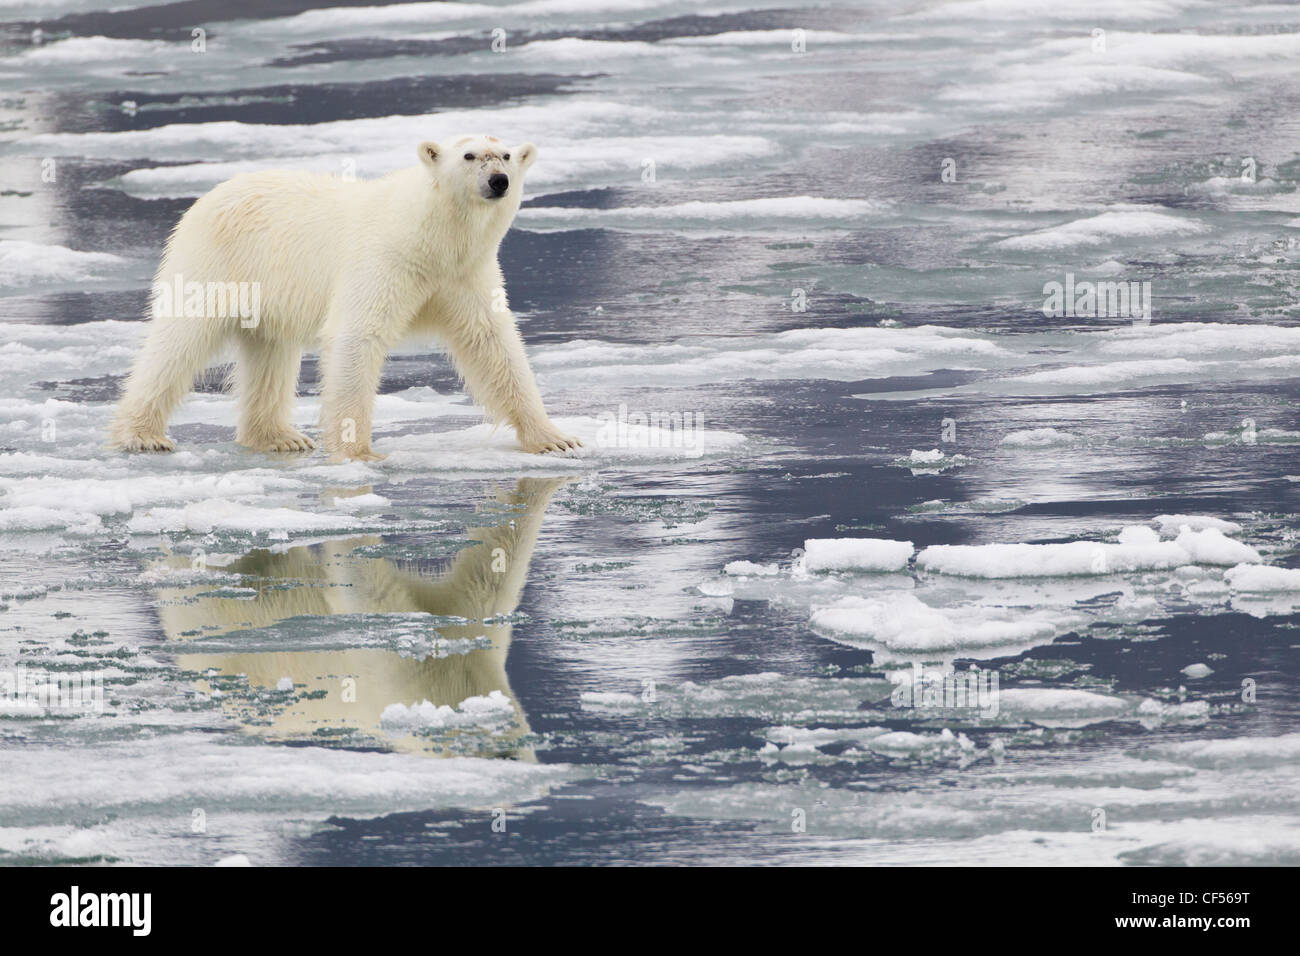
282,229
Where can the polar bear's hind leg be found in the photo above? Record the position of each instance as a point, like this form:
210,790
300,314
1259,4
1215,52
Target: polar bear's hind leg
176,350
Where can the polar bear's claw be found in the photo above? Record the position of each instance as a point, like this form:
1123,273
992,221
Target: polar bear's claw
288,442
137,443
552,443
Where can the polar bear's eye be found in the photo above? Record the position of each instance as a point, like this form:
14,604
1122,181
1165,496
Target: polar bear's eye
469,155
506,157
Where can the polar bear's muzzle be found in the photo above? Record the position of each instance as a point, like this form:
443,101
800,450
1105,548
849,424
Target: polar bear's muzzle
497,185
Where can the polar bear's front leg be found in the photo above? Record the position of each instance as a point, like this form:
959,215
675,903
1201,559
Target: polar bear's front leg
351,367
266,379
488,352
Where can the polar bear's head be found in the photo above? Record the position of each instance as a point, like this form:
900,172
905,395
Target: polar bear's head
479,168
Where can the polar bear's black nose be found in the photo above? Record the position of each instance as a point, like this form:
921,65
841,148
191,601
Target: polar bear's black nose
498,183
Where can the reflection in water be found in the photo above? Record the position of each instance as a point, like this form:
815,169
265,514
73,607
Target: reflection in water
482,585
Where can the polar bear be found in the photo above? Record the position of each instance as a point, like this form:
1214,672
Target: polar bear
350,268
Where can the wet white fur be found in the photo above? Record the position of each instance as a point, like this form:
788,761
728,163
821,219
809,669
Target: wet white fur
350,268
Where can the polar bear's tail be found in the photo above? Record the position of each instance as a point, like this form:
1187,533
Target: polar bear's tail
175,351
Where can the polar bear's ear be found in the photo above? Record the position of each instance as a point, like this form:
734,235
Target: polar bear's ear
429,152
526,153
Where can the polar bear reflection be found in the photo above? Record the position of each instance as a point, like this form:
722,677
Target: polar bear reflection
484,582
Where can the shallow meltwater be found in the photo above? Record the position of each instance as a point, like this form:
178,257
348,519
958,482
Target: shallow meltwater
935,367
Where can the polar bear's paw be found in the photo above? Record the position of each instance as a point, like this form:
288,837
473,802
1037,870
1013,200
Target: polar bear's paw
547,441
287,441
138,442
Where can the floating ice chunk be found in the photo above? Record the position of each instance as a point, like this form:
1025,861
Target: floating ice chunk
802,743
902,622
367,502
717,587
25,263
284,684
1261,839
1115,373
1042,704
1200,338
1208,588
856,554
1230,753
1069,707
1259,578
610,701
1197,671
794,744
1228,185
1262,436
20,707
472,711
238,859
1139,549
1039,438
215,514
905,743
607,440
100,49
1104,228
1188,710
836,354
1138,534
1212,547
130,778
37,518
749,568
1050,560
928,462
106,495
1172,524
776,696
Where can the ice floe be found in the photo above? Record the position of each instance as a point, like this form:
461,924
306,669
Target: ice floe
24,265
1209,546
856,554
492,708
990,600
126,779
1105,228
1262,579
